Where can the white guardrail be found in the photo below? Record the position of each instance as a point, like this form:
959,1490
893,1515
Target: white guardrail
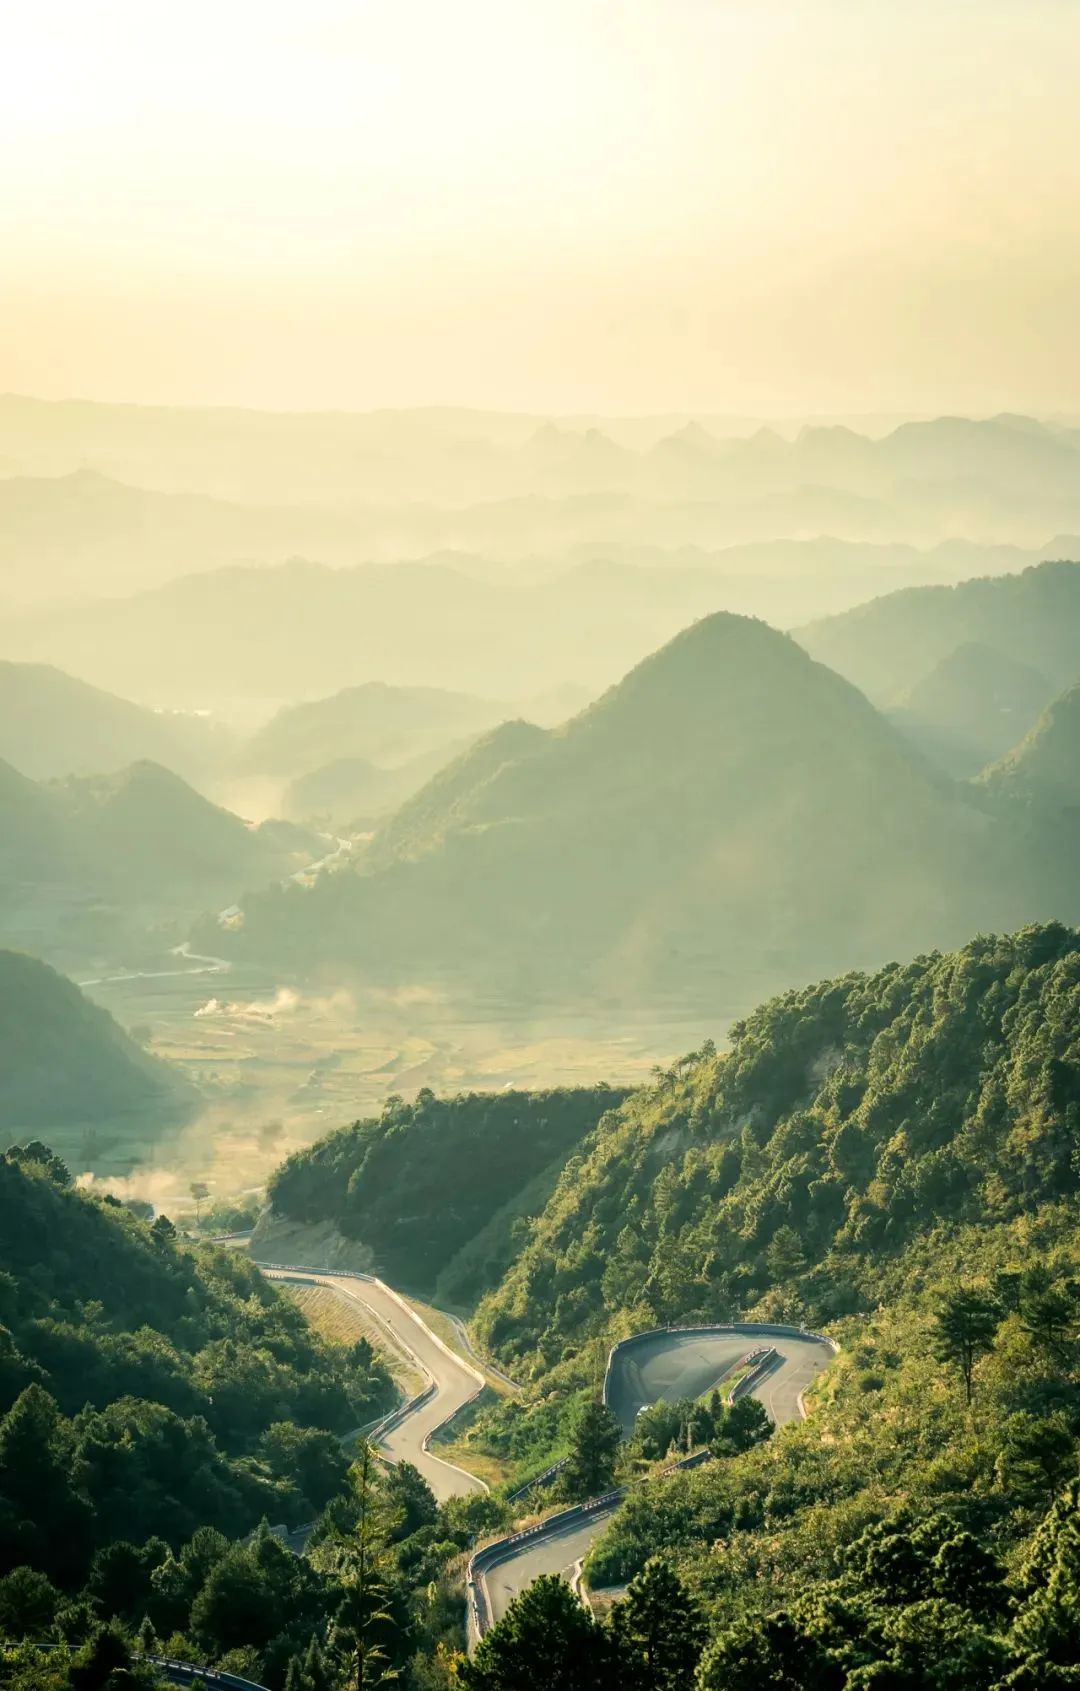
503,1549
394,1417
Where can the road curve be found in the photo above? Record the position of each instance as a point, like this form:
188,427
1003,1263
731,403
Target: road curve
662,1365
671,1365
455,1382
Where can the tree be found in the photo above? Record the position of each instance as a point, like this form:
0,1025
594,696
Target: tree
546,1641
772,1650
411,1499
357,1554
590,1467
200,1191
659,1630
312,1459
28,1603
1048,1313
965,1326
745,1423
785,1256
1038,1453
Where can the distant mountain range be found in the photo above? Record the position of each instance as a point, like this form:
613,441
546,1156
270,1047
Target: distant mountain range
64,1061
115,500
304,630
731,813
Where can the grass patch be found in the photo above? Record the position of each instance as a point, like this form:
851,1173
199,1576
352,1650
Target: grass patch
342,1321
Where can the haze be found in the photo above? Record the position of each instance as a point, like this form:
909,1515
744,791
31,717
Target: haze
652,205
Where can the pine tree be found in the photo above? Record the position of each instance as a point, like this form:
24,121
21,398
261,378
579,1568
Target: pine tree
546,1641
590,1467
659,1629
965,1326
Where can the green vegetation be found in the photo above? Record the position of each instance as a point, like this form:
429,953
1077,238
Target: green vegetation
158,1398
785,1177
63,1058
150,1387
1042,772
465,1165
904,1143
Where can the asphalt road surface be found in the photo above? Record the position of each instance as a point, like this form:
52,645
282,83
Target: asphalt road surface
673,1365
666,1366
561,1555
456,1385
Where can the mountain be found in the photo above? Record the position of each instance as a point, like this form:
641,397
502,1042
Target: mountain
847,1119
387,725
972,706
63,1059
151,831
53,724
888,1159
885,646
730,812
81,858
1042,773
354,792
586,604
464,1163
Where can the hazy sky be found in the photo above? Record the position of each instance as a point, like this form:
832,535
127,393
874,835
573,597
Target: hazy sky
543,204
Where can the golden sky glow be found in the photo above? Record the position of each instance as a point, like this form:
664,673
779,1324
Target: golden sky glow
543,204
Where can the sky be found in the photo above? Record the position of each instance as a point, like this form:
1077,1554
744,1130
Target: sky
555,205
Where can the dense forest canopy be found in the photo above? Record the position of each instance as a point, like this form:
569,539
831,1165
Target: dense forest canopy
845,1119
153,1374
468,1164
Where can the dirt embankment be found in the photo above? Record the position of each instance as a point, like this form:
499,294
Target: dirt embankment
307,1245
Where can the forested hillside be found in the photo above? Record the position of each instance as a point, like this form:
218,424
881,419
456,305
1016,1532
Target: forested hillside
148,1386
894,1156
64,1059
434,1188
783,1177
158,1401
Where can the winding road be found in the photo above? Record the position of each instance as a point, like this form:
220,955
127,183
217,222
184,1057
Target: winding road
452,1383
663,1365
667,1364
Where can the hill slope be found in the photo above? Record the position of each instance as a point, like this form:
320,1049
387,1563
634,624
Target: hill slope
64,1059
53,725
846,1119
455,1161
1043,771
731,810
387,725
885,646
87,858
972,706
